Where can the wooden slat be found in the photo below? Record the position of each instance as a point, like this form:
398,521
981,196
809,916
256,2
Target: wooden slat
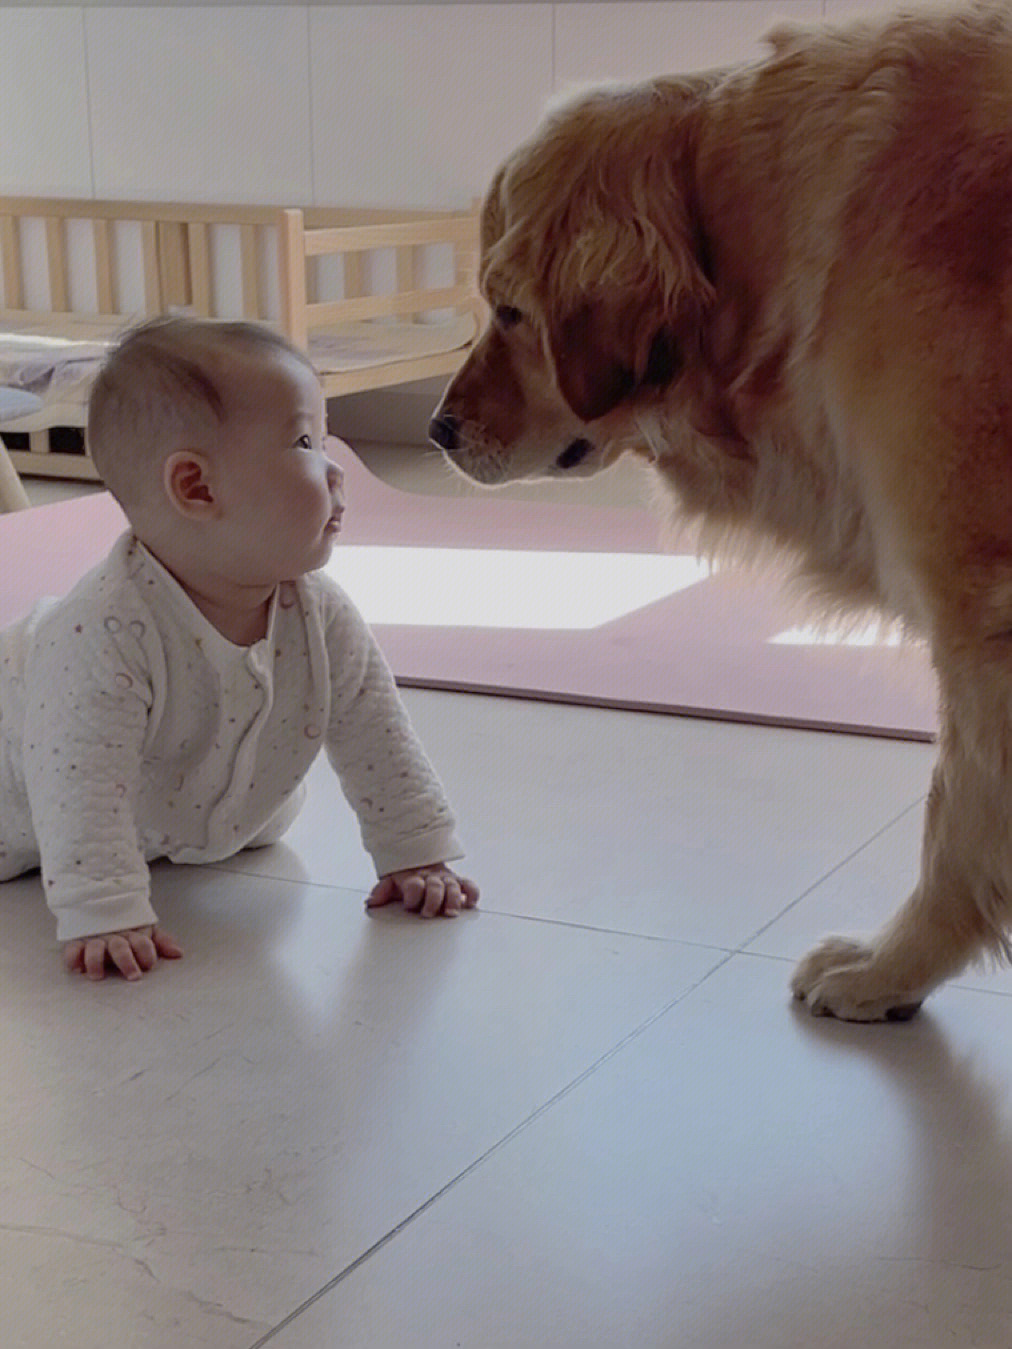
58,322
80,208
406,268
465,271
198,248
250,272
354,275
292,266
173,262
11,246
324,217
105,276
54,465
316,217
465,253
56,260
152,279
363,238
387,306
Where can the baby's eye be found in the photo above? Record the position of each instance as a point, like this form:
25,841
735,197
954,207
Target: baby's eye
305,442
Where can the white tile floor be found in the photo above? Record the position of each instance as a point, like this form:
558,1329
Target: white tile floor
587,1115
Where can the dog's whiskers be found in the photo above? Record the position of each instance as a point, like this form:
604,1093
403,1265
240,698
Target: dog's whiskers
651,446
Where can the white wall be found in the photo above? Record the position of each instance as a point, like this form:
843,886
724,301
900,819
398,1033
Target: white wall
294,104
366,104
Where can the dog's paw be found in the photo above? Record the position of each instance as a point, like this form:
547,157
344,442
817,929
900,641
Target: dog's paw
842,978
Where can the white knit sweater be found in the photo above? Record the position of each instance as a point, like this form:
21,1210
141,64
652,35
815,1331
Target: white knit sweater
130,729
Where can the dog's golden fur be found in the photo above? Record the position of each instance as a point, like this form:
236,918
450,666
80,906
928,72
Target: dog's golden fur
789,286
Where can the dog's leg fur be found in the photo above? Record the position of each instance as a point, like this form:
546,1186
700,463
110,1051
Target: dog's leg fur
960,910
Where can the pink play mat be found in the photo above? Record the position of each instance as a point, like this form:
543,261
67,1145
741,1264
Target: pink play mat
565,602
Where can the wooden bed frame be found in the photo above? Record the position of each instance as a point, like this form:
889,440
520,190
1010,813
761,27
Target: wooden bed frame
77,268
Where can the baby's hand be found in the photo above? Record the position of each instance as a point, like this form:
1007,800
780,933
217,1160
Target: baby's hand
426,890
132,951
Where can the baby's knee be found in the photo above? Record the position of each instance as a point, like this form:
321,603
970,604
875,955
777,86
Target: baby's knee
281,820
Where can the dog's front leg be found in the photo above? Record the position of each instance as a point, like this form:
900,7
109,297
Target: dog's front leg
962,907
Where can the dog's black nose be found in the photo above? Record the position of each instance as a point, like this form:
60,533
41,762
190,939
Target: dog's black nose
574,454
443,431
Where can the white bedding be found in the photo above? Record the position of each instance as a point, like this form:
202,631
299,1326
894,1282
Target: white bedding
357,346
60,369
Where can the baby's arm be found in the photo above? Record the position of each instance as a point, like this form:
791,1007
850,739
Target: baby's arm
86,716
406,821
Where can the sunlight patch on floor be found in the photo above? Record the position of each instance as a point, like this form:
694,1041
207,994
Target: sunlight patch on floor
502,588
870,634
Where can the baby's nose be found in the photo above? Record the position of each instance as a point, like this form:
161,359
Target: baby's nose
335,481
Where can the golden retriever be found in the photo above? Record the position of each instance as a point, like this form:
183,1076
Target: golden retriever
789,287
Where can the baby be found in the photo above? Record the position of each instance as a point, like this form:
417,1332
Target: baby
172,703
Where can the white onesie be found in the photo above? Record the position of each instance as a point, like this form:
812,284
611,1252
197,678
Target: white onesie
130,729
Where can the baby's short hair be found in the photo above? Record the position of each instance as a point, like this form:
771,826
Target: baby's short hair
160,389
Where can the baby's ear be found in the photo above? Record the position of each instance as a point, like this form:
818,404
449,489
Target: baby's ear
187,483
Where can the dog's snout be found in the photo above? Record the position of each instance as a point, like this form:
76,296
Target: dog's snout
443,431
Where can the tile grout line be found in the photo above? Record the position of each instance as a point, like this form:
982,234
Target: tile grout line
359,893
479,1161
608,931
740,950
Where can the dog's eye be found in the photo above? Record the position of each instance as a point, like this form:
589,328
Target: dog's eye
506,315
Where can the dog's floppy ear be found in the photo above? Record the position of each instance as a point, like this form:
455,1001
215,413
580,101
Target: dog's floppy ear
621,302
622,269
588,228
605,349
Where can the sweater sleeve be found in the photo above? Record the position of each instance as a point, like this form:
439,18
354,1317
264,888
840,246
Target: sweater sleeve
86,713
403,813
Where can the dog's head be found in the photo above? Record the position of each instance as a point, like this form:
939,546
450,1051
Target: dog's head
590,265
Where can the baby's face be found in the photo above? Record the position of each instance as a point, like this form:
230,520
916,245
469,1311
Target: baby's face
280,494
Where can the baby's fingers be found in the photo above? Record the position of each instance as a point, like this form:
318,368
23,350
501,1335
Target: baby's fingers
414,893
384,892
427,892
471,892
73,955
437,897
456,894
165,944
453,900
93,957
137,950
131,952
